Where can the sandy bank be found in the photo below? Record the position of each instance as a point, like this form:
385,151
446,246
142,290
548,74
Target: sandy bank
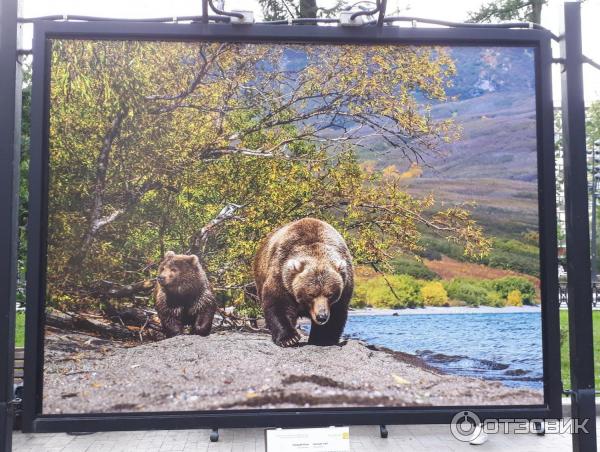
230,370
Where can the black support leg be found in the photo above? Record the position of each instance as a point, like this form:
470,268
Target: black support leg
383,432
578,239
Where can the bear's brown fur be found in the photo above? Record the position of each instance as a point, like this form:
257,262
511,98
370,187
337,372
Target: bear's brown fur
183,295
304,269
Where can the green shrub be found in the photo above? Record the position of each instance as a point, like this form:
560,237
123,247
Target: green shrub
434,294
509,283
466,290
508,254
431,254
406,265
514,298
494,299
377,293
359,297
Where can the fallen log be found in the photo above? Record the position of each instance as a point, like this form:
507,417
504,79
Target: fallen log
143,318
109,289
78,322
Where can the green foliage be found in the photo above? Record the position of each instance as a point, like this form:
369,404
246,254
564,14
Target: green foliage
434,294
410,292
407,265
514,298
20,329
593,123
494,299
248,309
514,255
389,291
24,184
504,286
292,9
469,291
490,292
507,254
509,10
477,292
208,147
564,348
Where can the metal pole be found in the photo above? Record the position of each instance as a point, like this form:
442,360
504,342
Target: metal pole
205,11
578,244
10,142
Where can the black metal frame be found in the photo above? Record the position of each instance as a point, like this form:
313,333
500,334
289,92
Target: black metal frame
10,143
581,338
35,421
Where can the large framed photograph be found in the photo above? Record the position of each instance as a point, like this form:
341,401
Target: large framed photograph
289,226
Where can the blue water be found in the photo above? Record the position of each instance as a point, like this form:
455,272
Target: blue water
502,347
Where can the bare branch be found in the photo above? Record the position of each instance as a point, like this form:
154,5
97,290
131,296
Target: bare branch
198,240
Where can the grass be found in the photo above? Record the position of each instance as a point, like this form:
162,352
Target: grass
564,347
20,329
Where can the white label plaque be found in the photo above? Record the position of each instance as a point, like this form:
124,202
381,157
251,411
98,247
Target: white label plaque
322,439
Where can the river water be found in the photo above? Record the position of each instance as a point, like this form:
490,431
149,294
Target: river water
505,347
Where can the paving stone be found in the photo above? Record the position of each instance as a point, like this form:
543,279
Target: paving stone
402,438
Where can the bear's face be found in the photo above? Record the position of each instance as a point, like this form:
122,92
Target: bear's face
315,286
177,272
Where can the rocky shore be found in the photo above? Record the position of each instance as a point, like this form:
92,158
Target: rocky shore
231,370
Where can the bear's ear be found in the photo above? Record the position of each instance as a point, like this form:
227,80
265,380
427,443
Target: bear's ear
169,254
295,265
194,259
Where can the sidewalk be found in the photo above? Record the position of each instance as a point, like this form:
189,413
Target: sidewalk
402,438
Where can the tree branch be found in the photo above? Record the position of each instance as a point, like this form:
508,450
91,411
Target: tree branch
95,220
198,240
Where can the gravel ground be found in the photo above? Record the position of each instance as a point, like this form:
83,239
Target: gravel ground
230,370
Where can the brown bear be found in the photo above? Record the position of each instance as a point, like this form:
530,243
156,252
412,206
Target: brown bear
183,295
304,269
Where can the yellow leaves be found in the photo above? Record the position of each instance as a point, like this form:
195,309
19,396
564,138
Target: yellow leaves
186,101
414,171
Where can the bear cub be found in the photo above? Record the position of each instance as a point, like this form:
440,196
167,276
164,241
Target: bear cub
304,269
183,295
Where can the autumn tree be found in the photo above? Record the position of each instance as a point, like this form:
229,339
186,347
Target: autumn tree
207,147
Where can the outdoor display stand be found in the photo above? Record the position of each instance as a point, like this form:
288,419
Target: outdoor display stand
237,28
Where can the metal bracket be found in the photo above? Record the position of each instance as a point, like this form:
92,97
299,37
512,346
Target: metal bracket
221,12
355,18
15,402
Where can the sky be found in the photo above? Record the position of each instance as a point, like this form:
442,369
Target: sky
452,10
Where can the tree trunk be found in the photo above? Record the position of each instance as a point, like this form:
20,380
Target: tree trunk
536,11
96,221
108,289
308,8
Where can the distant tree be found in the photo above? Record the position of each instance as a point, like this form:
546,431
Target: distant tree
593,135
499,10
292,9
23,182
593,123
